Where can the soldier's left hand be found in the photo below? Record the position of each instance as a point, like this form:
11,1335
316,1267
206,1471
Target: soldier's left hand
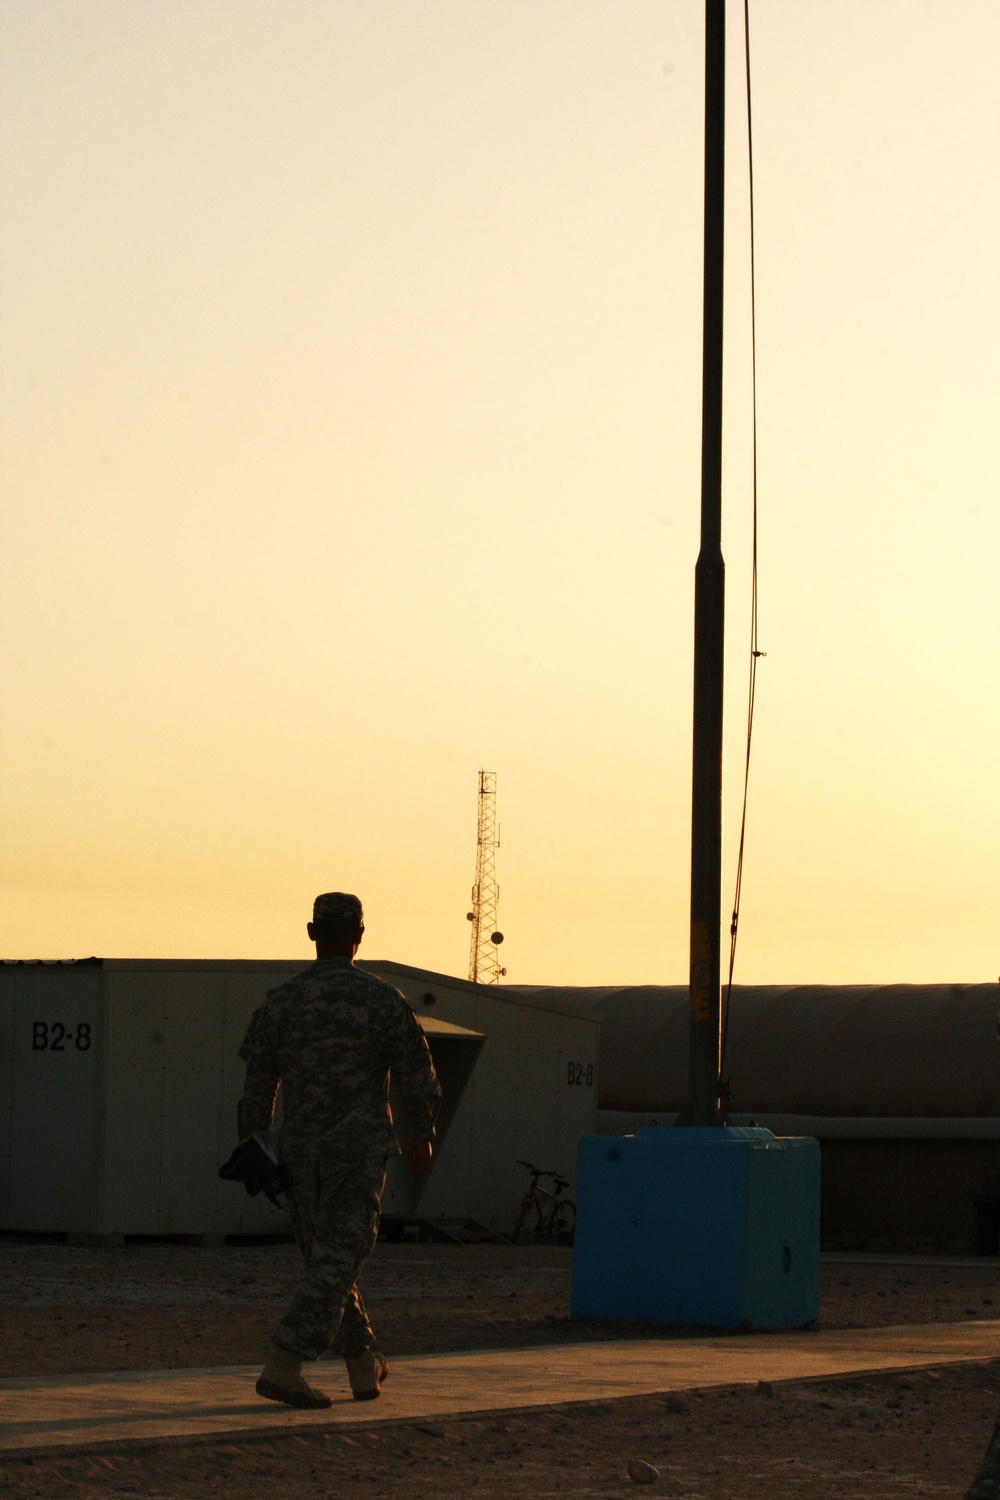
418,1155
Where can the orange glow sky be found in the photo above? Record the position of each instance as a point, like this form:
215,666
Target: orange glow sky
351,422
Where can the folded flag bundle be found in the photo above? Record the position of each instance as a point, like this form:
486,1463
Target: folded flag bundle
255,1163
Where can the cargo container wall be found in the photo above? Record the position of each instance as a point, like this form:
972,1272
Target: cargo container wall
532,1095
173,1079
119,1081
51,1037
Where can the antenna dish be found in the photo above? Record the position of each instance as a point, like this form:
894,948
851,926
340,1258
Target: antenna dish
496,937
470,916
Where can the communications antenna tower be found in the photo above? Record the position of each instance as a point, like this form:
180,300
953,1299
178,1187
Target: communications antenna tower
484,954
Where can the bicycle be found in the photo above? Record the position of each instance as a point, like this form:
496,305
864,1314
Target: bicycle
555,1221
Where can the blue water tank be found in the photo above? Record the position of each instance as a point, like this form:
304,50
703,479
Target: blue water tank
698,1227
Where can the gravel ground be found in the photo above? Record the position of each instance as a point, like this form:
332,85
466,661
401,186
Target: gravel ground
169,1306
67,1310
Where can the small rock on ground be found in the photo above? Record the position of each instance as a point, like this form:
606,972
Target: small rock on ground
640,1472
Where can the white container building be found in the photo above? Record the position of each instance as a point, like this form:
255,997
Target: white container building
531,1096
119,1080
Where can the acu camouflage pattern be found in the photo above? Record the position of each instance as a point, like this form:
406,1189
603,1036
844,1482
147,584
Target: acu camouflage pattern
338,906
329,1038
335,1218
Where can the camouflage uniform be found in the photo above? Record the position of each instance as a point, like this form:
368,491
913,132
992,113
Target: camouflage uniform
328,1038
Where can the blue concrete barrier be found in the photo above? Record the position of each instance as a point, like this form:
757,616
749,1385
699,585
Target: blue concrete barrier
698,1227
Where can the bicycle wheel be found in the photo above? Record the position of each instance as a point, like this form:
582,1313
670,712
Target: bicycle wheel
527,1204
562,1225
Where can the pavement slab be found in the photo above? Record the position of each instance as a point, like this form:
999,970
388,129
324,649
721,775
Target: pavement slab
112,1410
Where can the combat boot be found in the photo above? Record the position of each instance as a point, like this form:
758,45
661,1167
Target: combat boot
281,1380
366,1373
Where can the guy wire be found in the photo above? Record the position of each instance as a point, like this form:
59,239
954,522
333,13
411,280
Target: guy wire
754,652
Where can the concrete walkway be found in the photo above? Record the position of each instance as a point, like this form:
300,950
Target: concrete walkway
87,1411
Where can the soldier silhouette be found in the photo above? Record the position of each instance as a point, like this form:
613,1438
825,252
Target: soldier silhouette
329,1039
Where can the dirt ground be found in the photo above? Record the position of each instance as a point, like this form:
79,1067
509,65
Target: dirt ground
67,1310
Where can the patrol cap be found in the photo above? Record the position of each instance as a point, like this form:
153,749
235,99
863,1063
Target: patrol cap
337,906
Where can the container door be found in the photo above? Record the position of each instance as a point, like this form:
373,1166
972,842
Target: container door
52,1029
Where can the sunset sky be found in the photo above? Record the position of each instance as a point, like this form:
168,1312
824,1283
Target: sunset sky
351,360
